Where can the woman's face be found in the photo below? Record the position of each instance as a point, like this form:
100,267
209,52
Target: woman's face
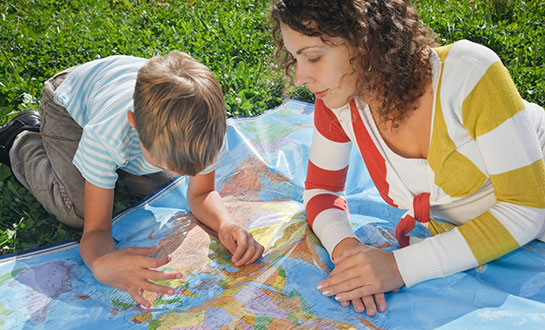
323,67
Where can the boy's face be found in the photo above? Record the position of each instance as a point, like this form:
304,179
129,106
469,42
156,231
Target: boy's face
147,155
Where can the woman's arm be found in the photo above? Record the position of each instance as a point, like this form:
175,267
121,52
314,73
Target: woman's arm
323,198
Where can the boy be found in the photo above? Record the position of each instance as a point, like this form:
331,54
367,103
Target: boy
123,121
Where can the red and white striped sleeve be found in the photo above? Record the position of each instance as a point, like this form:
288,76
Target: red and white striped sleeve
325,205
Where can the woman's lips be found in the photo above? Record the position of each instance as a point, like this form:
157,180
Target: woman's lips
320,95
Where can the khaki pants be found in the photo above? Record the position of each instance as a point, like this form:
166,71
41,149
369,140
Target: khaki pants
42,162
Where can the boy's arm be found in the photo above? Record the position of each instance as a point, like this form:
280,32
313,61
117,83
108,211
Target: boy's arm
97,231
206,205
128,269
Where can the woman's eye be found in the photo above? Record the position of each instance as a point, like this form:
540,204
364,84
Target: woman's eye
314,59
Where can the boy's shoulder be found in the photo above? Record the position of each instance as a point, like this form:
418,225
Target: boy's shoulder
102,76
112,63
117,58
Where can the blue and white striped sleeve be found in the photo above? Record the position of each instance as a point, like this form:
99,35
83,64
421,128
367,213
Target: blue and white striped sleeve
94,161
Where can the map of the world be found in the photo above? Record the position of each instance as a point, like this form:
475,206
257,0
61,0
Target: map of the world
261,181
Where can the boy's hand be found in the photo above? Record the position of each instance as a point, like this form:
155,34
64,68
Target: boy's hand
240,242
206,205
128,269
361,272
131,270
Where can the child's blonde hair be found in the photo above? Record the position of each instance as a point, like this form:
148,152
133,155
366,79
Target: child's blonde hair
179,112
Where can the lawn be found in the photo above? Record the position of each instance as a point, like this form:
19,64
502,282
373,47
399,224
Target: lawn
41,37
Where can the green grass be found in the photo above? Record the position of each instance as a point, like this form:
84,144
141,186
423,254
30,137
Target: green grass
41,37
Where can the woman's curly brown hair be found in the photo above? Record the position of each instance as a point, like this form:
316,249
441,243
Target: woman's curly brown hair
388,41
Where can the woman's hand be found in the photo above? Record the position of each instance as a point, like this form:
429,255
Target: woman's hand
355,270
361,272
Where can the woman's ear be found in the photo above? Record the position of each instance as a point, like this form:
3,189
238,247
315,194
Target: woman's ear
130,116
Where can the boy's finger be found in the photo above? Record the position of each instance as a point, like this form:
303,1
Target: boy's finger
241,244
162,276
229,243
152,263
152,287
143,251
138,298
248,254
161,261
258,253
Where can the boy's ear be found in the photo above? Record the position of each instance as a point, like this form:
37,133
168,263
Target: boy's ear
130,116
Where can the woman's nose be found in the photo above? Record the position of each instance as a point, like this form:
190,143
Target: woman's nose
301,75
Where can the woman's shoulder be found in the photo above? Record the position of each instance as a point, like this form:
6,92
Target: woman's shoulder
467,52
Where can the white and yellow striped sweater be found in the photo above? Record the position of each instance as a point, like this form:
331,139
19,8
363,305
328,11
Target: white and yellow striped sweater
485,172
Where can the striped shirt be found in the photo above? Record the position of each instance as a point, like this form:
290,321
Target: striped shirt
98,95
484,174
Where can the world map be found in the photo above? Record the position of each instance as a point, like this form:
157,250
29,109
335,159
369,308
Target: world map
261,182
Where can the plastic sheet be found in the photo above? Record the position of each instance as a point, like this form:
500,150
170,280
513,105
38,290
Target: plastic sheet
261,181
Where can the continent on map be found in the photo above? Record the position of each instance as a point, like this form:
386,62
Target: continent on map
250,307
246,182
44,283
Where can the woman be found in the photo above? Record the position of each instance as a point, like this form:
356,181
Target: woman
443,133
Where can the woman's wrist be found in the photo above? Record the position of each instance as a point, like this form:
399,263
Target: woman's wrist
346,244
